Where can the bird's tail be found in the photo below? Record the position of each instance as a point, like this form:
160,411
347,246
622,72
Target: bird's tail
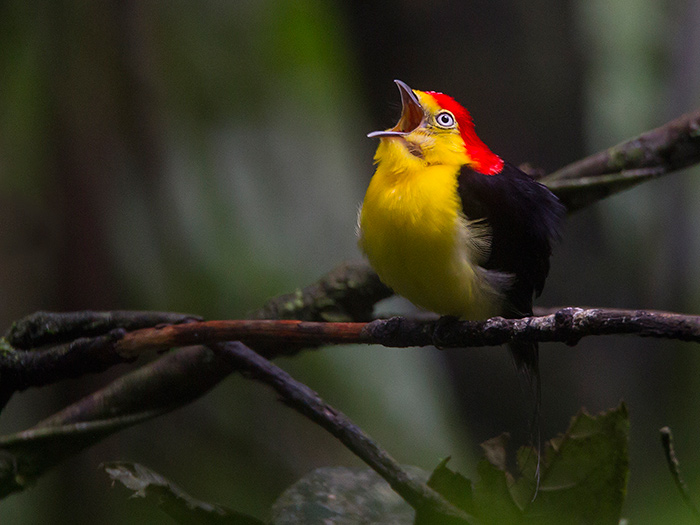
527,361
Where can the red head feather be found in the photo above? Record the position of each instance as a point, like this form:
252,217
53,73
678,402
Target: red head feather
484,160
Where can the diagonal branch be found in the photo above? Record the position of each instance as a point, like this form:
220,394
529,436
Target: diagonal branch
166,384
671,147
304,400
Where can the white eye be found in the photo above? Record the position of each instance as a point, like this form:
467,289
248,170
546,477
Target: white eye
445,119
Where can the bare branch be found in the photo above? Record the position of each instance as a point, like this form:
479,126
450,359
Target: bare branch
274,337
22,369
567,325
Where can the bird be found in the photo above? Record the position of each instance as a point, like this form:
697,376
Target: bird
453,228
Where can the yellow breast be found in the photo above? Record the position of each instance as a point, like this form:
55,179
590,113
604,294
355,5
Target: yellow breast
418,241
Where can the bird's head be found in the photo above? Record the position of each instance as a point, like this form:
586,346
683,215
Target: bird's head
434,129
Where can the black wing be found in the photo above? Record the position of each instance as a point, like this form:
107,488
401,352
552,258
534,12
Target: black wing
525,217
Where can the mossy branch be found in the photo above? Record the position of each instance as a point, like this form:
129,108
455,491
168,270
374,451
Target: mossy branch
671,147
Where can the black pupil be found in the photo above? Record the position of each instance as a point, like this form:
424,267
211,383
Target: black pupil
445,119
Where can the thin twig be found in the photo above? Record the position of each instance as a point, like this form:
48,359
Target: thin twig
675,468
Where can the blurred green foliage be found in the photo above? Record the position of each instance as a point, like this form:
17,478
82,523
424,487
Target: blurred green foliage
173,156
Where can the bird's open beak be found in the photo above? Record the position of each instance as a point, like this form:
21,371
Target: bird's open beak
411,114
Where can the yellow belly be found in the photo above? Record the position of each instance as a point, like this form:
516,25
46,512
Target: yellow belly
419,243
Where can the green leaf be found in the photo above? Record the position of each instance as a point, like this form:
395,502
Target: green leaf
583,477
493,501
343,496
586,471
179,505
453,486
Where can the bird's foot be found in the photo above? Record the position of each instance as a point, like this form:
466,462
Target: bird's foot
444,331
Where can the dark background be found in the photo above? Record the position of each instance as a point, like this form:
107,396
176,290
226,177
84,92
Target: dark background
204,157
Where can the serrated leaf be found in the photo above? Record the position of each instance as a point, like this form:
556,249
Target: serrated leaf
175,502
343,496
586,471
583,477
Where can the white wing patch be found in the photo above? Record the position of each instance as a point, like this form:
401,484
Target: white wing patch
474,236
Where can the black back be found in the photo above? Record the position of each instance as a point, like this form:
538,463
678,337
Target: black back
524,217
